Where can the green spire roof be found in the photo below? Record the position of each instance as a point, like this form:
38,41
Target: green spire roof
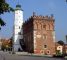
18,7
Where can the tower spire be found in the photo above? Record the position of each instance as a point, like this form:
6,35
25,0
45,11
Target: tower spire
18,6
17,27
18,2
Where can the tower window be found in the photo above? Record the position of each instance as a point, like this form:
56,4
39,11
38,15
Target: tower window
19,27
19,33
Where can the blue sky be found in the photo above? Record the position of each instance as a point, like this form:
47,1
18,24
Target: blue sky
42,7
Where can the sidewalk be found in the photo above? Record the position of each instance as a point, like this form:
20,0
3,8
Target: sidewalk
66,57
29,54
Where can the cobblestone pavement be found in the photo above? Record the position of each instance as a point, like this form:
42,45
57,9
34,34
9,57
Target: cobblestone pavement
7,56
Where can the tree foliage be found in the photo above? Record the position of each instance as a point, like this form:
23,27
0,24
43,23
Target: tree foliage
61,42
6,44
4,7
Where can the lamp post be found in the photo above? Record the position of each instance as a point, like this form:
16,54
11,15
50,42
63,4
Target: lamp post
13,42
66,39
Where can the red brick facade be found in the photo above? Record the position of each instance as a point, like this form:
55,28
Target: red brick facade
38,34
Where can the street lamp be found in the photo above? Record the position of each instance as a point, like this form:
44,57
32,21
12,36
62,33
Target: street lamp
66,39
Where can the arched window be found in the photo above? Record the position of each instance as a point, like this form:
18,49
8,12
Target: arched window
35,26
49,26
44,26
39,26
19,33
44,36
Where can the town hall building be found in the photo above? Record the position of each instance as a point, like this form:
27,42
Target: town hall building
39,34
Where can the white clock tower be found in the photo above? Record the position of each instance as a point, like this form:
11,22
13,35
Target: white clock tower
18,31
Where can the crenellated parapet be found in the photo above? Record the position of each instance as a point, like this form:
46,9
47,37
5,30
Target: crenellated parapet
40,17
40,20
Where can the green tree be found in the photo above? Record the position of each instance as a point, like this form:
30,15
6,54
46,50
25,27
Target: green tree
4,7
66,0
60,42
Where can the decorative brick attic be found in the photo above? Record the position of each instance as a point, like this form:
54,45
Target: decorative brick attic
39,34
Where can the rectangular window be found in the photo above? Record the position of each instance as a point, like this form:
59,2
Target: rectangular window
19,33
45,46
19,27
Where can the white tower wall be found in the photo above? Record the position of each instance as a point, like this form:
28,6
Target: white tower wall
18,33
